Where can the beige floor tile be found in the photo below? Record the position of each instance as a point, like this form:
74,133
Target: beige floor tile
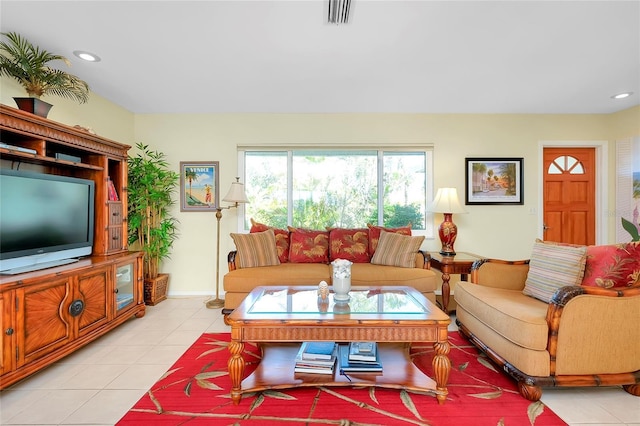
141,376
104,408
54,408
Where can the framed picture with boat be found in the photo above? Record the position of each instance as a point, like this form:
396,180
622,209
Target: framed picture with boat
494,181
199,185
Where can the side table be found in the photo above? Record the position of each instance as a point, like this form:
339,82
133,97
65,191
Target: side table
459,264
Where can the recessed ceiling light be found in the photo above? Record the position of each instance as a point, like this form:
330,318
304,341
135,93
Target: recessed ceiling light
86,56
622,95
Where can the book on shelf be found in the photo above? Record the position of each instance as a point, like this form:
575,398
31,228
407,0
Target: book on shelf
315,366
318,350
113,195
347,366
363,351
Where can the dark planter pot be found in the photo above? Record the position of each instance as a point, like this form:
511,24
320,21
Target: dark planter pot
34,106
155,290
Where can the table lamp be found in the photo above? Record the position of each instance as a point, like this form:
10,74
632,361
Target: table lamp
446,202
236,195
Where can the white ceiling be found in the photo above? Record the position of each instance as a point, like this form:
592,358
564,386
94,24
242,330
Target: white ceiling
394,56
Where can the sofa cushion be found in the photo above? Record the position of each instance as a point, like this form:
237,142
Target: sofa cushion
368,274
349,244
374,234
516,317
245,280
308,246
553,266
282,238
397,250
256,249
611,266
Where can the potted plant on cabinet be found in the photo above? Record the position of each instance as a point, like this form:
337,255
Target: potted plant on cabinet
152,229
28,64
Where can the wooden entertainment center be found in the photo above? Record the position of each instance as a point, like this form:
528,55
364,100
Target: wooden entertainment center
46,315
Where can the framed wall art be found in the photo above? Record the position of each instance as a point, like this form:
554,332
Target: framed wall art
494,181
199,185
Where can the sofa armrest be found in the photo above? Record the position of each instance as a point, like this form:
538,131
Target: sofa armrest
588,325
505,274
422,260
231,260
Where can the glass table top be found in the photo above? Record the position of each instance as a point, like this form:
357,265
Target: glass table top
364,301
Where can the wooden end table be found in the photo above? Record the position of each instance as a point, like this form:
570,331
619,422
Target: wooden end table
459,264
279,318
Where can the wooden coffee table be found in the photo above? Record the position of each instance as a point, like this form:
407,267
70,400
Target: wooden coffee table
279,318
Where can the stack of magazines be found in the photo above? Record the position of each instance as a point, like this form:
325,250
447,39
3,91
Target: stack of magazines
360,357
316,357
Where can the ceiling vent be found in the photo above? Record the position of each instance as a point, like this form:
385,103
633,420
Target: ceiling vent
339,11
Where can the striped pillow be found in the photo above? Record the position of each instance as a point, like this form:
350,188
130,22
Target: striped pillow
397,250
256,249
552,267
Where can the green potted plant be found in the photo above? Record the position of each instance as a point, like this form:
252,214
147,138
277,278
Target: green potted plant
28,64
151,227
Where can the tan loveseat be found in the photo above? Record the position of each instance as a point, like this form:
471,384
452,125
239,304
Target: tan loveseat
240,280
586,335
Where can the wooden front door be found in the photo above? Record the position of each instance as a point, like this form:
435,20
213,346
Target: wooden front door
569,195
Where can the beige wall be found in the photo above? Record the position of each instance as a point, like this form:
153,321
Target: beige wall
103,117
495,231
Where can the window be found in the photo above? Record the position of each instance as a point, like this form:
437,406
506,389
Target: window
318,188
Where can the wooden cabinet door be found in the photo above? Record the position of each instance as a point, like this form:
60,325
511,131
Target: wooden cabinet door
42,322
93,293
7,340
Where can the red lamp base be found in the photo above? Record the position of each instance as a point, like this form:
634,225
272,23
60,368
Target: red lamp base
447,231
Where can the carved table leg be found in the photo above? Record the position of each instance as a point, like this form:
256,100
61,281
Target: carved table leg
236,369
441,368
446,291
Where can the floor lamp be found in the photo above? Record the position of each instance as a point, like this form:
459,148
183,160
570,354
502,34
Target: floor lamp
446,202
236,196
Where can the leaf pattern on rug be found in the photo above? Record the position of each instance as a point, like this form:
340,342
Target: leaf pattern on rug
196,391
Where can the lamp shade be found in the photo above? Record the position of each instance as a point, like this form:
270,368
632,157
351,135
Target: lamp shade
236,193
446,201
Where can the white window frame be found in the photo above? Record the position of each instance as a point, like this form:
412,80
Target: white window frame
428,232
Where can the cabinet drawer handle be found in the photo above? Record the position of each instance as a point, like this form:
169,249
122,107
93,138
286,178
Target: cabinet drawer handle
76,308
116,214
115,238
9,331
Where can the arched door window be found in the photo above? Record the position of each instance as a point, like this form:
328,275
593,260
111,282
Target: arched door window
565,164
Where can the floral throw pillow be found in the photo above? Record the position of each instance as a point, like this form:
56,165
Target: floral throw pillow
282,239
349,244
308,246
374,234
612,266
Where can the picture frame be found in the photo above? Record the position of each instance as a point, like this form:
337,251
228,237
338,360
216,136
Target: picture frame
494,180
199,185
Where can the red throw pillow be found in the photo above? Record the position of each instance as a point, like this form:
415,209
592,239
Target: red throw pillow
374,234
282,239
613,265
349,244
308,246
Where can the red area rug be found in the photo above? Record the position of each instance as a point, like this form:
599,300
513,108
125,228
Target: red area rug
195,391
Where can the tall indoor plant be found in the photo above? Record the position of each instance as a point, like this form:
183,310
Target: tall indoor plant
29,65
152,229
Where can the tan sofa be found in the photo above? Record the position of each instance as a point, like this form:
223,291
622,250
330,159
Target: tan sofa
584,336
238,282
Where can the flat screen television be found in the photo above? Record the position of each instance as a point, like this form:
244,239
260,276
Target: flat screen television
45,220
